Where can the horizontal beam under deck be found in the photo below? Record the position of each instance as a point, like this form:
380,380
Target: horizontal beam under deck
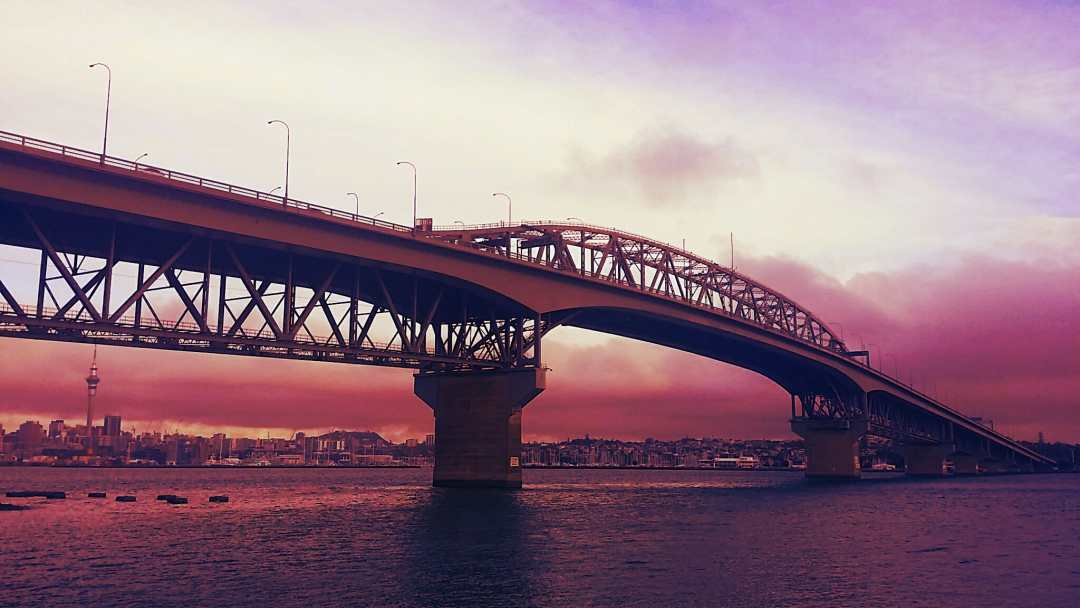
188,339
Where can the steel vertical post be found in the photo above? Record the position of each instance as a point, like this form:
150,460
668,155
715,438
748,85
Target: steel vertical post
109,272
42,278
222,279
138,302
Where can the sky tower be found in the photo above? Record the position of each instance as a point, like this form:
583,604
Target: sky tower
91,391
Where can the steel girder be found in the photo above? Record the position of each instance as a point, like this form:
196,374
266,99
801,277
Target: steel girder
884,415
211,294
652,267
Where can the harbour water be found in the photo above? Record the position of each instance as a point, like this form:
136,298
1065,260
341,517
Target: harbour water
370,537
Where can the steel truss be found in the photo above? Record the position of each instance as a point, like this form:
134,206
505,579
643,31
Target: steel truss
646,265
885,416
212,295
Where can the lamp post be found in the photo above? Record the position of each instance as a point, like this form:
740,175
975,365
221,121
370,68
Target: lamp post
460,222
376,216
357,197
405,162
509,208
575,219
108,96
141,156
288,141
276,188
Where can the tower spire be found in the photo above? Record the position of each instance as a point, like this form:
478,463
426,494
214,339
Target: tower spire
92,381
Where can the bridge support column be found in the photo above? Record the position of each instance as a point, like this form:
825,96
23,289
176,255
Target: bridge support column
832,447
478,424
926,460
965,464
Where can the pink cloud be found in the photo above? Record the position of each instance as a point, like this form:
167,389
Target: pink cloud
663,164
996,339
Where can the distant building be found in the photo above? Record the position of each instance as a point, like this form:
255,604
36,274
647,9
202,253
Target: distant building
288,459
429,440
56,429
412,443
219,446
112,426
29,437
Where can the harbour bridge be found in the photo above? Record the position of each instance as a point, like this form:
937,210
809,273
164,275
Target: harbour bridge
135,255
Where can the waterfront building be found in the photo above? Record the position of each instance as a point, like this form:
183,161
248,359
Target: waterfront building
112,426
220,446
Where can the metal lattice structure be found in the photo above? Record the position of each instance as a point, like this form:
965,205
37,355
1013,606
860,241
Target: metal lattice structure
649,266
210,295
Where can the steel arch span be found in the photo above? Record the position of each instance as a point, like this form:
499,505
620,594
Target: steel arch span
143,256
649,266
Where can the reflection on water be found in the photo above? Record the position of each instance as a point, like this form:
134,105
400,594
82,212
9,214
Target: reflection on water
460,545
585,538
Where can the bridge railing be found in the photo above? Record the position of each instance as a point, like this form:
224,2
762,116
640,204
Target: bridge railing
149,171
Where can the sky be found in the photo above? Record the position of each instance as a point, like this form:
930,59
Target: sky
907,171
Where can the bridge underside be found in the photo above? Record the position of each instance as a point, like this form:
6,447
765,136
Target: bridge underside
828,410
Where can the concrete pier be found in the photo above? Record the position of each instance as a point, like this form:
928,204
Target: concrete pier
926,460
478,424
832,447
965,464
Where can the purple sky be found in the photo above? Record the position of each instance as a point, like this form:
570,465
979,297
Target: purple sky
887,152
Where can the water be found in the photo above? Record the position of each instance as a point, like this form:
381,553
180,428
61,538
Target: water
328,537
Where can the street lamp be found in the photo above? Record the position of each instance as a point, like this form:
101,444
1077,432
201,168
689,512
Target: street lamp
108,95
376,216
405,162
355,196
509,208
460,222
276,188
141,156
288,140
575,219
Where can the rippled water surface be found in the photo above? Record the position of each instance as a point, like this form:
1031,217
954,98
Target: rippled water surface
329,537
